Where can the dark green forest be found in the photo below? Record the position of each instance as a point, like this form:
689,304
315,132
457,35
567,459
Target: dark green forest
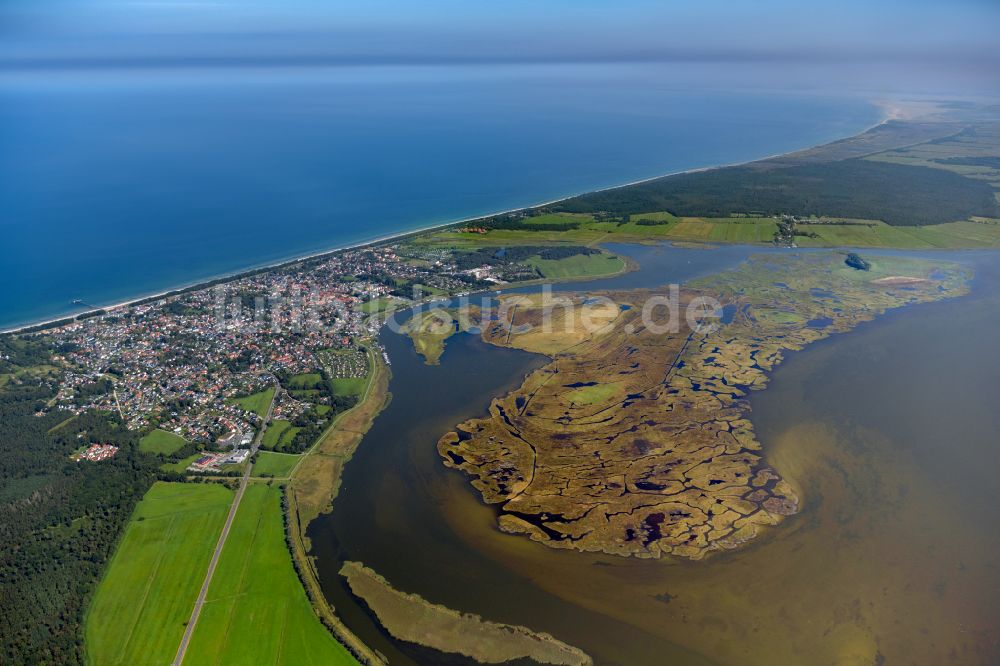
855,188
59,519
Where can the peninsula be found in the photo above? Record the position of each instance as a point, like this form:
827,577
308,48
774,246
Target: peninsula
171,453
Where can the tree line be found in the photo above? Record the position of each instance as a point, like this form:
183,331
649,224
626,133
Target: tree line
897,194
59,520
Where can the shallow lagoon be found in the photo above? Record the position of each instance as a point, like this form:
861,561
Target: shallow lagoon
889,434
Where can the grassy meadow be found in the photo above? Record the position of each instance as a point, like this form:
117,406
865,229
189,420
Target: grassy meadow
349,385
953,235
256,610
591,265
972,233
161,442
256,403
377,305
279,434
141,606
278,465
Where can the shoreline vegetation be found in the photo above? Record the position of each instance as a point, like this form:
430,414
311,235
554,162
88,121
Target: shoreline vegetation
313,486
412,618
890,114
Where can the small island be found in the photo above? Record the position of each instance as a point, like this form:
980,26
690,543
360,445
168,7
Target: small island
636,442
854,260
412,618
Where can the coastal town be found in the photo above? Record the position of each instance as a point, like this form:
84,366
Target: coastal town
214,366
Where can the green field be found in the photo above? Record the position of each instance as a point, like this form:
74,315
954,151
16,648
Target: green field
426,290
146,597
977,233
256,403
180,465
349,385
592,231
162,442
256,611
377,305
304,381
278,465
953,235
279,434
661,216
580,265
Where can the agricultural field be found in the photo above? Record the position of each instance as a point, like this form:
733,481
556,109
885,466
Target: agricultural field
557,219
142,604
278,465
279,434
451,239
977,232
161,442
256,610
592,231
953,235
256,403
724,230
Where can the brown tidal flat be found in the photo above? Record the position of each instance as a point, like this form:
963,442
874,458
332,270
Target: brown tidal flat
636,442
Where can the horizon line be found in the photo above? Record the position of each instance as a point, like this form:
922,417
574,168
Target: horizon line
348,60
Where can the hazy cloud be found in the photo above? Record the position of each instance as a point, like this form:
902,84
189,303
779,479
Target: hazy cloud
107,33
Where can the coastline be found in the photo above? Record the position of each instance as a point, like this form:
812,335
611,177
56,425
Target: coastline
889,111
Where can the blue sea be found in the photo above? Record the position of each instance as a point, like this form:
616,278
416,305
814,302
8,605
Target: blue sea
118,184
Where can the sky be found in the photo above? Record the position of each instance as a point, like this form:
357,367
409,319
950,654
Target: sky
959,35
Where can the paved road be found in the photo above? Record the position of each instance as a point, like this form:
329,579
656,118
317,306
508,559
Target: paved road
196,611
189,630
